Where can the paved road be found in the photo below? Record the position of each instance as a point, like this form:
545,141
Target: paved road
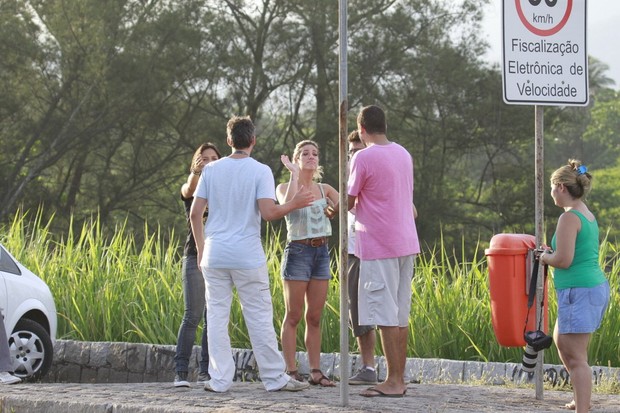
251,397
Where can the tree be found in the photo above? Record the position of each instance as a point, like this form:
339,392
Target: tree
114,89
104,102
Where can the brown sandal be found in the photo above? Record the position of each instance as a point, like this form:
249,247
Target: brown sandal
295,375
321,381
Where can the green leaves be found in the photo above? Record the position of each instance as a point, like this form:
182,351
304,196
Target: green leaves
103,104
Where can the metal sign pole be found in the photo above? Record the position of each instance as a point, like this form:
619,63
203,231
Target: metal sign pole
529,31
342,189
539,212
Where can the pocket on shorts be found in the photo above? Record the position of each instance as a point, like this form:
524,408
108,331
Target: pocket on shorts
375,291
598,296
563,296
294,248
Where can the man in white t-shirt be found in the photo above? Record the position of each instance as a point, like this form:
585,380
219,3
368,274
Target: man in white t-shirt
380,186
239,191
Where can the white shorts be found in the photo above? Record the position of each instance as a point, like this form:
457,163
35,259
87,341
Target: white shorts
385,291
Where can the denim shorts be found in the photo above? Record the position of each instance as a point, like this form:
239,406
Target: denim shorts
303,262
580,310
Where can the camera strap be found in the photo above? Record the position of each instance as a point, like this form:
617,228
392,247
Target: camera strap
533,283
532,293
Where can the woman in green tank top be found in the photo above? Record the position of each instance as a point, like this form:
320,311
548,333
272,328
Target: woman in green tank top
581,286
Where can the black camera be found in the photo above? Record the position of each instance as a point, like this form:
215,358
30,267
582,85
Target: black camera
536,341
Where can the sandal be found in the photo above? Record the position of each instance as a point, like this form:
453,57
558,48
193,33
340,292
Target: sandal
323,381
295,375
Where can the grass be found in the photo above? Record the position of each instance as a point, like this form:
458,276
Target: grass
109,288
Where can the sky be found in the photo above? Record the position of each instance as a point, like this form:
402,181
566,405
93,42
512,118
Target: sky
603,33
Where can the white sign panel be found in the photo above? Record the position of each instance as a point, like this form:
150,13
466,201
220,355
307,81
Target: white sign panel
544,52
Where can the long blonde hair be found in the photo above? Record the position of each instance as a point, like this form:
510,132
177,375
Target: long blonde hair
318,173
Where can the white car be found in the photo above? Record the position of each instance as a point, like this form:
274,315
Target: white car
29,318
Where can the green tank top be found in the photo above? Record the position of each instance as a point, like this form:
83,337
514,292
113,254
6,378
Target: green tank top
585,270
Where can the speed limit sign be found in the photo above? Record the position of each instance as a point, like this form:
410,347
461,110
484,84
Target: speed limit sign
545,60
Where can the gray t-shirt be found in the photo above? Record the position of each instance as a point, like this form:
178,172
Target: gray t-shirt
232,188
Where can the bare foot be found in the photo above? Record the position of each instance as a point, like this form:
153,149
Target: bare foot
572,405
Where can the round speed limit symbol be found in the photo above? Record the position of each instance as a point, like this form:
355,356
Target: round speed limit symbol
544,17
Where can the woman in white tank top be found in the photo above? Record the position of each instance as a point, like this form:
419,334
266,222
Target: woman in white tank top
305,263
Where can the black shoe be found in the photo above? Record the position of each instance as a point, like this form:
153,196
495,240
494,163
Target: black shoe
180,379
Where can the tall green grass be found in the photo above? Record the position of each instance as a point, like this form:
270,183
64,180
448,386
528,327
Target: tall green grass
109,288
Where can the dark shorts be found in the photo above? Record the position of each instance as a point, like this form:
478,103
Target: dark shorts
354,278
303,262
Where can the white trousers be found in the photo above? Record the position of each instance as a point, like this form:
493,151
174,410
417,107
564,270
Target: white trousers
255,296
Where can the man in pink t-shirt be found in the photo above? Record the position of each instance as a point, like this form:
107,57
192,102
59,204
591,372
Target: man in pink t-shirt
381,189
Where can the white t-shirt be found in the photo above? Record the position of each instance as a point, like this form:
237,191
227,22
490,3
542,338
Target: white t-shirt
351,227
232,188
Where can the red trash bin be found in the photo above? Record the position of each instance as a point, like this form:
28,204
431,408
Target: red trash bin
507,258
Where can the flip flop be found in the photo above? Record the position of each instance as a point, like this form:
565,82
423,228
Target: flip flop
374,392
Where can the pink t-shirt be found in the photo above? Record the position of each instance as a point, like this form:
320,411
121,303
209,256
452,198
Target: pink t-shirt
382,180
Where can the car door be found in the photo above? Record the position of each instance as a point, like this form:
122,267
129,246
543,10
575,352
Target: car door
3,294
8,271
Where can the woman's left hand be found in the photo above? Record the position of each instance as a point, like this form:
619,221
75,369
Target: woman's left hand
542,258
330,211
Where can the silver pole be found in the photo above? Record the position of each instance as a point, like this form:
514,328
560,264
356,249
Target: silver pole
342,169
539,206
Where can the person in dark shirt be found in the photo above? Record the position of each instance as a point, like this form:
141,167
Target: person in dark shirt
193,281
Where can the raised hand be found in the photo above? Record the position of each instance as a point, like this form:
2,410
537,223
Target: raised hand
293,168
198,164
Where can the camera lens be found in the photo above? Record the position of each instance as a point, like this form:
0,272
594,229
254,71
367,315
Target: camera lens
529,359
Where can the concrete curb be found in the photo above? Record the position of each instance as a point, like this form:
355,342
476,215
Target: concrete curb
116,362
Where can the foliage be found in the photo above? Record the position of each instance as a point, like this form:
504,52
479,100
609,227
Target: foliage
605,199
104,103
109,289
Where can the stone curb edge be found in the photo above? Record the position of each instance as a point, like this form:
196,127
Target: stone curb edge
119,362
